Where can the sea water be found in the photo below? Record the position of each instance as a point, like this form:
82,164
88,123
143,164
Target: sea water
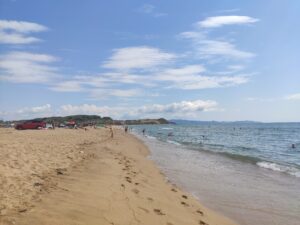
249,172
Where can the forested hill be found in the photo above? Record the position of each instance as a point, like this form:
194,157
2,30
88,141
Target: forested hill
95,119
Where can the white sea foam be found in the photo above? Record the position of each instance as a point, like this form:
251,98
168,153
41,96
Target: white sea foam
173,142
279,168
167,128
151,137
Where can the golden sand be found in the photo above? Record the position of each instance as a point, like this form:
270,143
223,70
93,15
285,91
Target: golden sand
77,177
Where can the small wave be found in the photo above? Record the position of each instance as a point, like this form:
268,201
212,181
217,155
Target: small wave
173,142
167,128
150,137
279,168
242,158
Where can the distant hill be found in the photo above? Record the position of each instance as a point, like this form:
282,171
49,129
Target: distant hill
142,121
196,122
94,119
79,119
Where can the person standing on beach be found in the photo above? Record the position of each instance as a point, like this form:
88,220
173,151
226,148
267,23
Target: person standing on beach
144,131
111,132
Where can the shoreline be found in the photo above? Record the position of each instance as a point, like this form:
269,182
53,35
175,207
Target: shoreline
113,183
236,189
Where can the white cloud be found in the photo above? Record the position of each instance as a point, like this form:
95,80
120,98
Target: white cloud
218,21
293,97
221,48
36,109
117,77
179,107
183,109
140,57
104,93
105,85
191,77
67,86
16,32
25,67
16,38
235,68
183,71
31,112
231,69
204,82
21,26
207,48
88,109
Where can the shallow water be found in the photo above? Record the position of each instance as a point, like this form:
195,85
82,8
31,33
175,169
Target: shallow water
266,145
240,189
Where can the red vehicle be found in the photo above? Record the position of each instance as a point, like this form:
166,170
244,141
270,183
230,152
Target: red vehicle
31,125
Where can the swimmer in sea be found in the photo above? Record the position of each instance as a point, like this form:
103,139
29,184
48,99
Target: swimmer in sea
170,134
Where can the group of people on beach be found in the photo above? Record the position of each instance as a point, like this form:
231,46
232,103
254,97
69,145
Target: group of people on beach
126,129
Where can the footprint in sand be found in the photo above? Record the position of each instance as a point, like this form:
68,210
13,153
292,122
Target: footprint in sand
174,190
136,191
184,203
200,212
150,199
37,184
128,179
202,223
158,212
22,210
169,223
184,196
60,171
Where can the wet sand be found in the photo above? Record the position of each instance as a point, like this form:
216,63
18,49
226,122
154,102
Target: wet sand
84,177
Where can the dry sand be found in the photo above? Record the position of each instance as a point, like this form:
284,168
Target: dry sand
77,177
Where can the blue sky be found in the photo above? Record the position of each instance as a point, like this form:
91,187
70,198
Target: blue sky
205,60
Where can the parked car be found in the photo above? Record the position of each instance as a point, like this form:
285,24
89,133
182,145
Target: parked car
31,125
49,126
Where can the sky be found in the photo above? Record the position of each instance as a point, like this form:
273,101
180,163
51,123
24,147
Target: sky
223,60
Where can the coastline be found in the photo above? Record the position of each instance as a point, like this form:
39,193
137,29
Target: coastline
237,189
106,181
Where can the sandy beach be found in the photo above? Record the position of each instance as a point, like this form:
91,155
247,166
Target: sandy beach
81,177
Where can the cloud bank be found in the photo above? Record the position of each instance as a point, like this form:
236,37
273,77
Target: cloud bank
18,32
182,109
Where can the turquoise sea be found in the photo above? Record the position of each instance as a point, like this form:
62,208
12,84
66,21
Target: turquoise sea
268,145
248,171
